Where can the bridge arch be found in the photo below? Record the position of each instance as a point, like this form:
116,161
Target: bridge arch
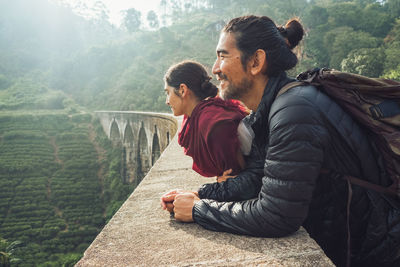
128,135
142,156
155,148
129,142
128,153
114,131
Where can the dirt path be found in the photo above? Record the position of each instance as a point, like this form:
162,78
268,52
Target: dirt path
57,211
57,159
55,147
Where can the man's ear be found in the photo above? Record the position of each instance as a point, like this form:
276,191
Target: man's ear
258,63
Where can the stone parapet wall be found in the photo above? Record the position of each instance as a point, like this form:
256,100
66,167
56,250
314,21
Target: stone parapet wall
142,234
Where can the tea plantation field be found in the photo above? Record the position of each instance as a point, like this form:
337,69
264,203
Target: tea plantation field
59,183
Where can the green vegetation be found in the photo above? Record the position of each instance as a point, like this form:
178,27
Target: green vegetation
354,36
7,252
60,179
52,197
104,67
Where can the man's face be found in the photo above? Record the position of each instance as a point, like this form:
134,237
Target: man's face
235,82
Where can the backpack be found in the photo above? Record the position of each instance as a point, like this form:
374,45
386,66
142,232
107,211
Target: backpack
374,104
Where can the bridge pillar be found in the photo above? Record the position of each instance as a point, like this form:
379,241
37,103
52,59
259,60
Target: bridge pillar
142,135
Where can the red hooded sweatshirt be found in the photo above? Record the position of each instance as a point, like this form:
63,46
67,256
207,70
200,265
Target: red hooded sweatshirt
209,136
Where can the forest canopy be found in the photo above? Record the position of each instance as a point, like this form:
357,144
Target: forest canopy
47,46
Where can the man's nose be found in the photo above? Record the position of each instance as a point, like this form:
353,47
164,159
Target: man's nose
215,68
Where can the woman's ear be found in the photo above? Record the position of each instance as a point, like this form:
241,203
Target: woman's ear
258,63
183,90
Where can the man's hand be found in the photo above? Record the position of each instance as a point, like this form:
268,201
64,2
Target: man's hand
168,198
225,176
183,206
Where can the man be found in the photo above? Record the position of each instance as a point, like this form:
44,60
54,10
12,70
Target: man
297,134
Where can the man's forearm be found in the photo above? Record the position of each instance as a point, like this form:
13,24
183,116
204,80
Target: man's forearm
246,185
244,217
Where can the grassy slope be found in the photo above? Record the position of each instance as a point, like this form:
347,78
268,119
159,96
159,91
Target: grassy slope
55,194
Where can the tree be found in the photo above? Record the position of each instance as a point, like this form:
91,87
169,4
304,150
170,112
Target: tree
163,6
152,19
365,2
341,41
315,48
375,20
394,34
316,16
6,252
131,19
393,6
392,57
393,74
392,51
365,61
101,12
344,14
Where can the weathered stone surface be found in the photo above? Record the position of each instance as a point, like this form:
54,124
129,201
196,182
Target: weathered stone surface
142,234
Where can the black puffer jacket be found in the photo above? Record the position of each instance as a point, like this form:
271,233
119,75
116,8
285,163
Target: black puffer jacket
281,188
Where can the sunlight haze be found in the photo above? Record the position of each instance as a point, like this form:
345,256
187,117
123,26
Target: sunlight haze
116,6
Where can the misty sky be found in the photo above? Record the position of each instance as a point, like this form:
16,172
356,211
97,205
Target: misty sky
116,6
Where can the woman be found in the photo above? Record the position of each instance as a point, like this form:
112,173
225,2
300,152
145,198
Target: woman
209,129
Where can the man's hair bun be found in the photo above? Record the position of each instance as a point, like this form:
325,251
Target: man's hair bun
293,31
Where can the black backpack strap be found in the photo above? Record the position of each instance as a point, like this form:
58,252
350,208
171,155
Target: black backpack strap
386,109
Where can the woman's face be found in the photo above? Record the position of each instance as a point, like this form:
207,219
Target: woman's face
174,101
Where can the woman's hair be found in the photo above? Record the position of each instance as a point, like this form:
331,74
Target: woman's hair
194,75
260,32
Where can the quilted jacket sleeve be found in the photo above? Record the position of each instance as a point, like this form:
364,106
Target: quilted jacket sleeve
244,186
292,164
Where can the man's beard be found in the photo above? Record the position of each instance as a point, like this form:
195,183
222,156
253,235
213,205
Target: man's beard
236,91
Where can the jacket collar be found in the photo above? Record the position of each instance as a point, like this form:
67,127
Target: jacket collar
259,118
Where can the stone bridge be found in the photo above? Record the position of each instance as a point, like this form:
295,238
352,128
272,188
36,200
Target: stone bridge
142,136
142,234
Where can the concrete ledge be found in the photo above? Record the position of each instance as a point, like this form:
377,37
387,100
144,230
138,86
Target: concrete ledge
142,234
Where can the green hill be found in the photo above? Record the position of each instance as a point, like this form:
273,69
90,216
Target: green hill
59,183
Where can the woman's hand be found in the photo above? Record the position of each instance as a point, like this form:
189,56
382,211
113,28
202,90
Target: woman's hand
225,176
